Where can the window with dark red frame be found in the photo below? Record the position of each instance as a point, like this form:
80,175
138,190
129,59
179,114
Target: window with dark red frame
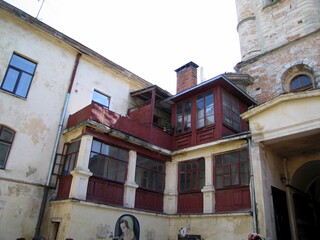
231,112
108,161
150,174
71,157
205,109
231,169
300,83
183,117
191,176
6,140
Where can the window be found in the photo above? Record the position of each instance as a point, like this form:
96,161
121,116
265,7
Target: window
231,116
108,161
205,110
18,76
300,83
6,139
71,157
101,99
191,176
183,120
150,174
232,169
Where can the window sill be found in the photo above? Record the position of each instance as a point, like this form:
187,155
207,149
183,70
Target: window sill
13,95
270,4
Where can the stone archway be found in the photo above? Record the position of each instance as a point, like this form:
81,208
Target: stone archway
306,199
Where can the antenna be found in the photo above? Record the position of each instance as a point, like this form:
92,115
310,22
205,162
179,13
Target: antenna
40,8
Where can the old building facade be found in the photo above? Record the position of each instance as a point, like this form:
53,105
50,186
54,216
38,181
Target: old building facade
91,151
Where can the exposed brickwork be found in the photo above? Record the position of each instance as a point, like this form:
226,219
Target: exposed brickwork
186,76
274,38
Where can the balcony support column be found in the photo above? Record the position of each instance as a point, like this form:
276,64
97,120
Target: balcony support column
208,190
81,174
130,185
170,203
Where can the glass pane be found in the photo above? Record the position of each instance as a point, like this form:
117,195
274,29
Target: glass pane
201,163
121,174
188,181
152,181
112,169
182,182
187,107
244,173
4,150
23,64
100,98
226,176
210,120
113,151
235,174
202,179
6,135
304,80
218,160
105,149
24,85
73,147
194,180
243,156
182,167
10,81
96,146
219,181
123,155
138,176
161,167
159,182
231,158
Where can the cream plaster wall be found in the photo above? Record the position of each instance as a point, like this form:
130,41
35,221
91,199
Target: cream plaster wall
99,223
34,119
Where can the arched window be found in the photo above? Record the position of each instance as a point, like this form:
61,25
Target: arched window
300,83
6,139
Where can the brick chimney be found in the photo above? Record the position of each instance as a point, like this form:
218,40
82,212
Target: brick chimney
186,76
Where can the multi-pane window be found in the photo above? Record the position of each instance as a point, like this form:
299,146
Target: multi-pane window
150,174
18,76
71,157
232,169
108,161
6,139
101,99
205,110
191,176
183,118
300,83
231,112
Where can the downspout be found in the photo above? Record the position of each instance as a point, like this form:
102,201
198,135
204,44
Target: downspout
47,186
252,191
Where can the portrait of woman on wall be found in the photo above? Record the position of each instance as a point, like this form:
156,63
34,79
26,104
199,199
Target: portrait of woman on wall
127,228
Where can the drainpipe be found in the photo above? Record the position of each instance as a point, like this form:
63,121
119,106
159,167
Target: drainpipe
252,191
47,186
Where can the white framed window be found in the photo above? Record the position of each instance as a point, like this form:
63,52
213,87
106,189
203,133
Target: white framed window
19,75
101,99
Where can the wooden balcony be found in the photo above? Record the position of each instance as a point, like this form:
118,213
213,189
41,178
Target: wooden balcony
139,128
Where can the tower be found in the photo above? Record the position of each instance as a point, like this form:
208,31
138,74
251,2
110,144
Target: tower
280,45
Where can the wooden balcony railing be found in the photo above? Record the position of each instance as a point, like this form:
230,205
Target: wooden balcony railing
147,132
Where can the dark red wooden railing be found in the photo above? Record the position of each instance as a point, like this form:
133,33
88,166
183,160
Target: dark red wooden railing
235,199
147,132
190,203
148,200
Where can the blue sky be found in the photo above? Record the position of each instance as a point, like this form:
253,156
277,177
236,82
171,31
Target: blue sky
149,38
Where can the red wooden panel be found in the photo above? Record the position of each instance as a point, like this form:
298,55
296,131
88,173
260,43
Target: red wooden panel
190,203
104,191
183,141
148,200
64,187
205,135
235,199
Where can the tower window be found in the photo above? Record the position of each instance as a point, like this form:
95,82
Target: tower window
300,83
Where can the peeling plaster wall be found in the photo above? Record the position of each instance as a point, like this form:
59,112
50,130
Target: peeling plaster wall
35,121
99,223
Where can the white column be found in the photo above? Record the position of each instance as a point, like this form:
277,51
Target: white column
170,201
130,185
81,174
208,190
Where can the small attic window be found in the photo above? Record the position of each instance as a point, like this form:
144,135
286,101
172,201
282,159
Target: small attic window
300,83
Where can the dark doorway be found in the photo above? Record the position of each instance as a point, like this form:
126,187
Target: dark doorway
281,214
